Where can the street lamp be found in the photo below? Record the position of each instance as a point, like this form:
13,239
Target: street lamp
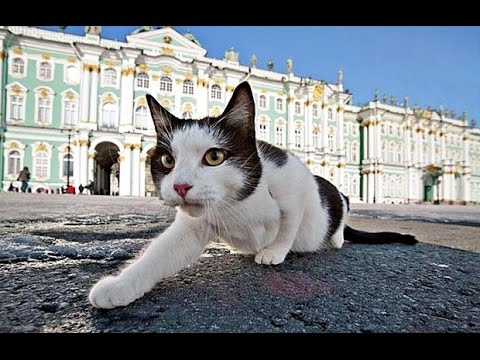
68,159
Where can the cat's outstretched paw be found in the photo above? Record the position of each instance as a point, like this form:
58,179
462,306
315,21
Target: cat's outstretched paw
270,257
111,292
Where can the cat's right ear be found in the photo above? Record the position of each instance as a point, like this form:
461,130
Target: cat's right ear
162,119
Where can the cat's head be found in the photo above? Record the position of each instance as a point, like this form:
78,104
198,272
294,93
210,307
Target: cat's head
211,162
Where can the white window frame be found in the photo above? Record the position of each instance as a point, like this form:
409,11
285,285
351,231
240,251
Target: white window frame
18,160
280,130
315,112
72,165
106,79
38,98
74,100
142,80
39,70
188,87
12,57
166,85
11,93
218,90
298,138
282,105
114,106
330,114
297,109
316,138
142,114
36,165
262,101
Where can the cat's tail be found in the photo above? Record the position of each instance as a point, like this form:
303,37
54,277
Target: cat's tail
364,237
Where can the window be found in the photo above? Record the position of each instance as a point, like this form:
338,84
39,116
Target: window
41,164
298,138
109,116
355,152
216,92
315,110
354,191
16,107
14,163
110,77
391,153
143,80
68,165
382,128
188,87
18,67
345,129
262,101
141,118
45,71
166,84
354,129
187,115
279,135
330,114
262,131
331,142
70,112
298,108
44,111
72,75
279,105
390,130
384,151
399,154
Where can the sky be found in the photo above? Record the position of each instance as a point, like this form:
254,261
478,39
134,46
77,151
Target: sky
432,65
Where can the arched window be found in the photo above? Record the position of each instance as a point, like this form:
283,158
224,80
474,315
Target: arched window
110,77
68,165
109,116
18,66
70,114
279,135
141,118
143,80
216,92
166,84
279,105
315,110
41,164
298,138
262,101
187,115
188,87
16,107
45,70
44,110
72,75
298,108
330,114
14,163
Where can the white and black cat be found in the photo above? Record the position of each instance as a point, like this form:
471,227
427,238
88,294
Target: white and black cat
229,186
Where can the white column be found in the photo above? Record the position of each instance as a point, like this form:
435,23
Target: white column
136,170
201,92
442,146
290,120
447,182
94,95
432,147
83,161
466,185
143,160
90,166
84,92
177,97
371,185
408,146
324,137
2,55
125,170
308,135
126,99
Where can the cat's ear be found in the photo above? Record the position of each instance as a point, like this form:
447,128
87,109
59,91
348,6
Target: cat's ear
240,111
162,119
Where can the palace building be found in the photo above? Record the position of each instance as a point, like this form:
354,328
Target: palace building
73,110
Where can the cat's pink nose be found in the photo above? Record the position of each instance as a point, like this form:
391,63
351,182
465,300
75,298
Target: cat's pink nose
182,189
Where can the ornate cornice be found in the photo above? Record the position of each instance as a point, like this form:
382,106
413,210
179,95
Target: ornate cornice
83,143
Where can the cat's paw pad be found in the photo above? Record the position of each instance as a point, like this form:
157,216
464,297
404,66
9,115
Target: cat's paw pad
270,257
111,292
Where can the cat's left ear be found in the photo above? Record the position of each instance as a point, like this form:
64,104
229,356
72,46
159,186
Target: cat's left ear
162,119
240,111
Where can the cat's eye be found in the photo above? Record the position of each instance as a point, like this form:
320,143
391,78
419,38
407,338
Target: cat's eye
167,161
214,157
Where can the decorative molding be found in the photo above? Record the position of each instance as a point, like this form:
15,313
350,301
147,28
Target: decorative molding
41,147
324,163
217,80
70,95
141,102
83,143
72,59
310,162
91,156
308,102
229,88
178,81
17,51
108,98
166,70
143,67
136,147
45,56
14,146
167,51
318,92
111,63
189,75
340,109
44,93
290,99
155,77
16,89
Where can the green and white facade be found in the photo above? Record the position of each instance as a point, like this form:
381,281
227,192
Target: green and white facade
56,87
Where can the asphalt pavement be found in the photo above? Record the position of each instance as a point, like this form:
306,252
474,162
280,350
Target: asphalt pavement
53,248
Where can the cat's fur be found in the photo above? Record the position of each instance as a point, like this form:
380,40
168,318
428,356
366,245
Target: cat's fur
261,200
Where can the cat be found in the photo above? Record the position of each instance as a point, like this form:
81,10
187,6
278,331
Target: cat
229,186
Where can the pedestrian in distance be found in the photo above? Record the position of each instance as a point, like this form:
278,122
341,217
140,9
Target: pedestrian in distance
24,177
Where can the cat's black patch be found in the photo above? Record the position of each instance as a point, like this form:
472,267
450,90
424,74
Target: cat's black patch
272,153
330,198
347,200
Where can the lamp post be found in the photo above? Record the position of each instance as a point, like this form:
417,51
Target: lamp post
69,137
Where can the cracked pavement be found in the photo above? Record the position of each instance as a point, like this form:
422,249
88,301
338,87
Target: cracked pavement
53,248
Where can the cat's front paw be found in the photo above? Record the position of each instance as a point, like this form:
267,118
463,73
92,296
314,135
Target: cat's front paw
270,257
111,292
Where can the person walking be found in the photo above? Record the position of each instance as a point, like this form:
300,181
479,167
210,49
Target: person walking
24,177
